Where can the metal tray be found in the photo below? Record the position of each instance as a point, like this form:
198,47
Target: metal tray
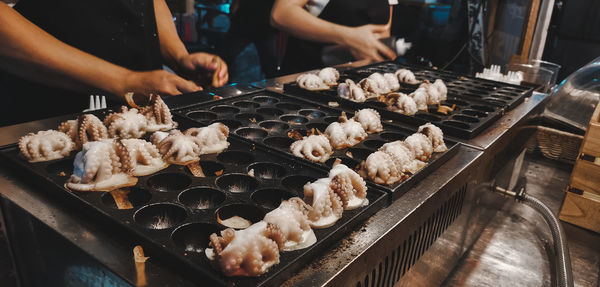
176,196
265,118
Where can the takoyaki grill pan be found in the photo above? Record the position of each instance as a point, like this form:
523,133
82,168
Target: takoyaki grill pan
498,94
266,117
174,212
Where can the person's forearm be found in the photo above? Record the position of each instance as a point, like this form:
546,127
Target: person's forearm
171,47
290,16
29,52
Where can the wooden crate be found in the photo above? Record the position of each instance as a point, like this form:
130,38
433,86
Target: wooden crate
582,201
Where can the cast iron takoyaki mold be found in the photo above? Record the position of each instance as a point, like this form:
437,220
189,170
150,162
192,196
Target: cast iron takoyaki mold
266,118
174,212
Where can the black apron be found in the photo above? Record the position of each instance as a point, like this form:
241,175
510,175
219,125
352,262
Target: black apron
302,55
122,32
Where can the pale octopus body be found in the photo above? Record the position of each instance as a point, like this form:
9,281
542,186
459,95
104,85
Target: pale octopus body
86,128
392,82
180,149
213,138
126,124
45,145
351,91
420,145
402,156
349,186
327,207
291,218
369,119
346,134
311,82
400,103
406,76
315,148
380,168
158,115
420,97
329,75
144,158
435,135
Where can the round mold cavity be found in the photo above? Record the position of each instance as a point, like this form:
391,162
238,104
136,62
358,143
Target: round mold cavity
225,109
201,198
231,124
457,124
201,115
136,196
252,133
374,144
270,111
429,117
474,113
160,215
237,183
288,106
464,118
294,119
246,104
360,154
482,108
278,142
296,182
274,126
312,114
349,162
63,167
267,170
193,237
390,137
252,117
266,100
456,102
330,119
235,157
271,197
319,126
169,181
209,168
245,211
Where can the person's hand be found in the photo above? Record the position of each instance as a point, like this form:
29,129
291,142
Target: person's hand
156,82
363,42
204,68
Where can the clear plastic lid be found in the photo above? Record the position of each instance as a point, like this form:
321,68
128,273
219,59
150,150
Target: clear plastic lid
573,101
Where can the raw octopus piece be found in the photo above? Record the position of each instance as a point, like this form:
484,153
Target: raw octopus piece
391,82
351,91
311,82
420,97
85,128
213,137
158,115
144,158
442,89
400,103
380,168
435,135
436,92
374,85
348,186
329,75
369,119
45,145
345,134
420,145
178,148
291,218
315,148
327,206
157,137
406,76
402,156
100,166
126,124
248,252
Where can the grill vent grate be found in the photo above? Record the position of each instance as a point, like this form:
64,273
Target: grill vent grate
395,265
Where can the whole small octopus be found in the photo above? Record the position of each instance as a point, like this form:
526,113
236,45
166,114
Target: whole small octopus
178,148
381,168
45,145
213,138
144,158
348,186
127,123
351,91
326,206
315,148
435,135
86,128
402,156
406,76
311,82
400,103
158,115
420,145
292,219
345,134
369,119
420,97
392,82
329,75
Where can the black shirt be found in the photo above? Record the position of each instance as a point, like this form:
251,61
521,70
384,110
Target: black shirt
122,32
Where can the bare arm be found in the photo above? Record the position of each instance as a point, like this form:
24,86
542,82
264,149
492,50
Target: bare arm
363,41
30,52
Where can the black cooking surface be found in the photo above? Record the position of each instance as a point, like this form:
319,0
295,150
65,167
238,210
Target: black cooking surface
174,212
266,117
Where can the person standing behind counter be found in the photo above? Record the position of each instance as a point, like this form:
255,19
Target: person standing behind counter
357,25
55,53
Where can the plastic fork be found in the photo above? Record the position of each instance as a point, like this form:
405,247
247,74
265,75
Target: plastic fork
96,102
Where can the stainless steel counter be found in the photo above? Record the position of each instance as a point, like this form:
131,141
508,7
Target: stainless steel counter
441,216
